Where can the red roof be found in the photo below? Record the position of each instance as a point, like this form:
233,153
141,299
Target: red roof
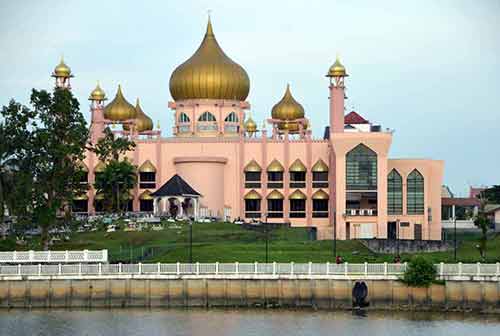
354,118
460,201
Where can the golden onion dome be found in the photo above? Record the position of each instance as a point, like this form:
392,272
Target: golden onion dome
142,121
119,109
250,125
287,108
209,74
97,93
337,69
62,70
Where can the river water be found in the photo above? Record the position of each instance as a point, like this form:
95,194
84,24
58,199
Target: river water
124,322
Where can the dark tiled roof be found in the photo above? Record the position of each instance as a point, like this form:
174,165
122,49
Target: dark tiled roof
469,201
176,186
354,118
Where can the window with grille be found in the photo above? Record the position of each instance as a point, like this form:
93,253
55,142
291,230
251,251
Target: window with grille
252,179
415,193
207,116
275,179
361,169
297,208
320,208
183,118
275,208
231,117
394,193
252,208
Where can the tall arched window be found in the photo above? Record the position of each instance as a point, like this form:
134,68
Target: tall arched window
361,169
231,117
207,116
415,193
394,193
183,118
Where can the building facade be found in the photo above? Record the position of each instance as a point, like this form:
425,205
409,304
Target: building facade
344,180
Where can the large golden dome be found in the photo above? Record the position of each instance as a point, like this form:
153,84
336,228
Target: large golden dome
287,108
119,109
142,121
209,74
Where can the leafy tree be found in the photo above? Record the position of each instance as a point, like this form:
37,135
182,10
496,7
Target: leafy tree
420,272
115,183
492,194
119,176
481,221
15,145
45,145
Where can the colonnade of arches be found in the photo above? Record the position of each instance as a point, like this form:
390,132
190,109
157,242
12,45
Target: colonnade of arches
275,201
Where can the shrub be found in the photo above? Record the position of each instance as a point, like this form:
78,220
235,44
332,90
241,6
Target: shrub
420,272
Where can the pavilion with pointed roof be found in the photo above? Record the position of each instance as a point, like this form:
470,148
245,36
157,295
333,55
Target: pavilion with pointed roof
176,198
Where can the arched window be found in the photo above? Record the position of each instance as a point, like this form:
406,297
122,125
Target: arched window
361,169
231,117
415,193
394,193
207,116
183,118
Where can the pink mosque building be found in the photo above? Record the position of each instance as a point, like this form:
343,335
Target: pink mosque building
219,163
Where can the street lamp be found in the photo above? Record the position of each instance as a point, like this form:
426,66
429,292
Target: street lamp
455,232
397,238
267,237
190,240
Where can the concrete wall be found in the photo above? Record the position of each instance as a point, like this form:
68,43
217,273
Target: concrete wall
292,292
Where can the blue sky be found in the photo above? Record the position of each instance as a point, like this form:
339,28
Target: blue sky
430,70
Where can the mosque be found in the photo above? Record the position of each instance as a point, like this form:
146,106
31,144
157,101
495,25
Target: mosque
219,163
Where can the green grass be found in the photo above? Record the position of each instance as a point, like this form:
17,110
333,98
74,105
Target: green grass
226,242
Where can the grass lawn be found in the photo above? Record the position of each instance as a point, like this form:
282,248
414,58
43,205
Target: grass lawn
226,242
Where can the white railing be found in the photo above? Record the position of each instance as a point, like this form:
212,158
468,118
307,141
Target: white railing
276,269
40,257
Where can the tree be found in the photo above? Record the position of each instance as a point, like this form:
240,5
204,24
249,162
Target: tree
45,144
481,221
420,272
119,175
492,194
115,183
15,149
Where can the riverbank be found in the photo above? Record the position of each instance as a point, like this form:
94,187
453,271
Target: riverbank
298,291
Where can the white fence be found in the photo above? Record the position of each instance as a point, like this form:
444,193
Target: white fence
35,257
324,269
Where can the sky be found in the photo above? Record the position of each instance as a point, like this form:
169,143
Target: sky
429,70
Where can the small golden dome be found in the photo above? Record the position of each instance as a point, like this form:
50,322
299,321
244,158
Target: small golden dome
147,167
97,93
250,125
337,69
209,74
320,167
62,70
252,166
142,121
119,109
287,108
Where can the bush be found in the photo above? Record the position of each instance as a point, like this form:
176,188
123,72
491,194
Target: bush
420,272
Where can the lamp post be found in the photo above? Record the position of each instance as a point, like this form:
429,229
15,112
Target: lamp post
267,238
397,237
334,234
190,241
454,233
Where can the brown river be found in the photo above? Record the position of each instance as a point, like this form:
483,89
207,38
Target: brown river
239,322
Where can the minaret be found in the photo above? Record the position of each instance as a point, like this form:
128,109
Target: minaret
62,74
97,98
337,73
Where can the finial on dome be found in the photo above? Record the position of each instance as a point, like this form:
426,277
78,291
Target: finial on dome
158,124
210,31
